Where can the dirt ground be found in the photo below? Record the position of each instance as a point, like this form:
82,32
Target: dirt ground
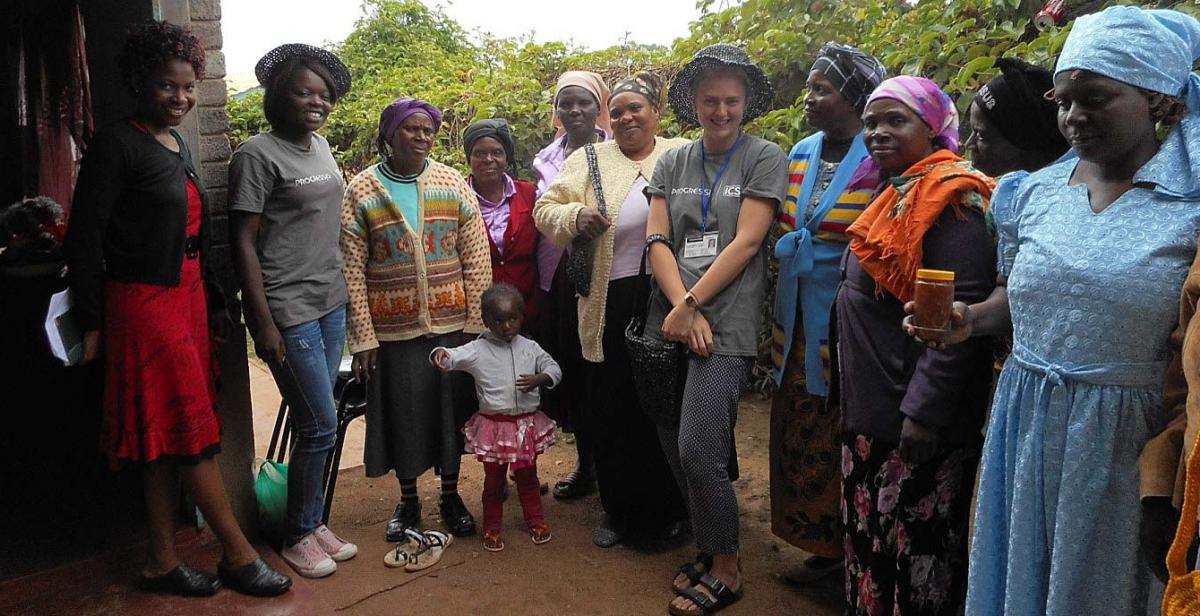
566,576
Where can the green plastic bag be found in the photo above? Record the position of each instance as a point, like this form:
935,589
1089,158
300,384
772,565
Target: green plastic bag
270,488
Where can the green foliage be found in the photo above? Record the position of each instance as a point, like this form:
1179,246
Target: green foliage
954,43
402,48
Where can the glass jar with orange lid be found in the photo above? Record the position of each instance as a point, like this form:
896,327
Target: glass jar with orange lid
934,297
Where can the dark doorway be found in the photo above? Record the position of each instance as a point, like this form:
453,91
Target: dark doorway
58,499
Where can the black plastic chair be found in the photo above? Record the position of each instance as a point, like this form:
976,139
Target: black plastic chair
351,397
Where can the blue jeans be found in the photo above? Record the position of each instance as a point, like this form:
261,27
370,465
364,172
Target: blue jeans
312,353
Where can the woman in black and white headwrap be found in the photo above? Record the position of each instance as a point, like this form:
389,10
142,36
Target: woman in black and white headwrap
822,202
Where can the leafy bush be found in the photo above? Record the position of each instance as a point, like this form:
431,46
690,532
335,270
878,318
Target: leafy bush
403,48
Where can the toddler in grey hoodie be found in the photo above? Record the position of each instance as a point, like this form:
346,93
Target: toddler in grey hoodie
509,429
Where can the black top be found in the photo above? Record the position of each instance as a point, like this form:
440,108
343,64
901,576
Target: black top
128,220
887,375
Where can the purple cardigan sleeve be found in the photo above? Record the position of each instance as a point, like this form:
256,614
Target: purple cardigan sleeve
944,379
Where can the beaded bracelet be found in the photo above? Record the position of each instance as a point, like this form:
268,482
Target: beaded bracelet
657,237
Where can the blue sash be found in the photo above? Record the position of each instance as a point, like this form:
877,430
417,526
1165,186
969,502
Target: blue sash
808,265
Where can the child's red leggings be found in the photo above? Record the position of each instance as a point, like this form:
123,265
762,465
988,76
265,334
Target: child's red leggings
493,495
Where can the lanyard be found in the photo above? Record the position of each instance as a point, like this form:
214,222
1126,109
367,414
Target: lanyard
705,193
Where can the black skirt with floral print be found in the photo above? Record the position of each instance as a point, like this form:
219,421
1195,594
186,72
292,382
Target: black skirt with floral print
906,528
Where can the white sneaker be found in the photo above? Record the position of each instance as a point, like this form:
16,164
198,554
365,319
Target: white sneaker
309,559
337,548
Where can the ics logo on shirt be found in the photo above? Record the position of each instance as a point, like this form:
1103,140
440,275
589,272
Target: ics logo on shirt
734,191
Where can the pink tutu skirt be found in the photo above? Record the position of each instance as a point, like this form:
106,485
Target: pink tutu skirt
509,439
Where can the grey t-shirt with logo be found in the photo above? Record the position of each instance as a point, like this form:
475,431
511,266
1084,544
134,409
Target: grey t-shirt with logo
757,168
297,192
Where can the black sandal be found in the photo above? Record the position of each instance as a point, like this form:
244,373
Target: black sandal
724,597
574,485
692,572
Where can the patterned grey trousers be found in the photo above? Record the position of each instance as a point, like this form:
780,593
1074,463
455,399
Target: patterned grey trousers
699,449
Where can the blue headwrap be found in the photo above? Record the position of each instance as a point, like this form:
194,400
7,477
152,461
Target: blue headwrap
395,113
1151,49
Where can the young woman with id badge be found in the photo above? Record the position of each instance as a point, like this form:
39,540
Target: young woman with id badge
711,204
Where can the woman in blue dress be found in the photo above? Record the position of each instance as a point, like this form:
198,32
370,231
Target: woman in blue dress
1098,249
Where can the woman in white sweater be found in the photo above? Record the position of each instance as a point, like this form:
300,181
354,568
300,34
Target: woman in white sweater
637,489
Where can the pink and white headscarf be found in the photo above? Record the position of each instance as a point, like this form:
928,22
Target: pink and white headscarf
928,101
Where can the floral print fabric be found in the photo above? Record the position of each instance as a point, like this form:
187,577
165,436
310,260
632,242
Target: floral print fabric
906,528
806,444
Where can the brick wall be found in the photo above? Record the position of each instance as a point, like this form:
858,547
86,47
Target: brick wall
213,123
210,138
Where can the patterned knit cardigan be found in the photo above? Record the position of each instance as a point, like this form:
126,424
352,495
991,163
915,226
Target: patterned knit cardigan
398,293
557,209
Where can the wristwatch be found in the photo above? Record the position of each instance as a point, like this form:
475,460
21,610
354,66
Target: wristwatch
690,301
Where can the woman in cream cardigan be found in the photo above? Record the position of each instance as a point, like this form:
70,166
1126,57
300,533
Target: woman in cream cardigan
637,489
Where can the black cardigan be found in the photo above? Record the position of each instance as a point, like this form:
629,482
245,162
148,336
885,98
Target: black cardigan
128,219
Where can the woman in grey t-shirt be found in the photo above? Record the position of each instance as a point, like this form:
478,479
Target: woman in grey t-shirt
285,197
712,202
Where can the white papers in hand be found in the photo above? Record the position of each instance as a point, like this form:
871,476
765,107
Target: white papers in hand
66,341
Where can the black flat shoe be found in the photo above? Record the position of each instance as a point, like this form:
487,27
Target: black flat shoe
574,485
407,515
606,535
455,516
256,579
183,581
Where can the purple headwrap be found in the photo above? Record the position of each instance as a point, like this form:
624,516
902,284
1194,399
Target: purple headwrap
925,99
396,112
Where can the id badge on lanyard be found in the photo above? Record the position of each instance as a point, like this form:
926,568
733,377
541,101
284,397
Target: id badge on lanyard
705,244
700,246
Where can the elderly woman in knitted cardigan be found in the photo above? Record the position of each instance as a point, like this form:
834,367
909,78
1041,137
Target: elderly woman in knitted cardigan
416,263
636,487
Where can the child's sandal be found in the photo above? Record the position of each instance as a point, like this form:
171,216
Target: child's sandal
397,557
427,555
539,534
492,541
421,550
437,538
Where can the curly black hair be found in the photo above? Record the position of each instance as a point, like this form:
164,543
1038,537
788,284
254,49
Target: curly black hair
152,43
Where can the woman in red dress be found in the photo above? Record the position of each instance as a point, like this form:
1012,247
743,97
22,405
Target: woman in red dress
136,245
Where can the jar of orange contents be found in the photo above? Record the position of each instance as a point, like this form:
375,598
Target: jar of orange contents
934,296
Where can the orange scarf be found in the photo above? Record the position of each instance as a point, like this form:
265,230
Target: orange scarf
887,237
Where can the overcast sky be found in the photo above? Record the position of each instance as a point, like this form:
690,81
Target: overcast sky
251,28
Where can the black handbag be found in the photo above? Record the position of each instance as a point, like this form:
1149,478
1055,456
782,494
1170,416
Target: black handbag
659,366
583,250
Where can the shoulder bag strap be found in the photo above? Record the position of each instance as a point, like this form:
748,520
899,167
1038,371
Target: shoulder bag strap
641,299
594,172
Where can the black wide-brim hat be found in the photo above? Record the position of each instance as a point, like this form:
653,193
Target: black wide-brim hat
270,63
682,94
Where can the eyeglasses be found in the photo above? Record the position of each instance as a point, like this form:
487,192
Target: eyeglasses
478,154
